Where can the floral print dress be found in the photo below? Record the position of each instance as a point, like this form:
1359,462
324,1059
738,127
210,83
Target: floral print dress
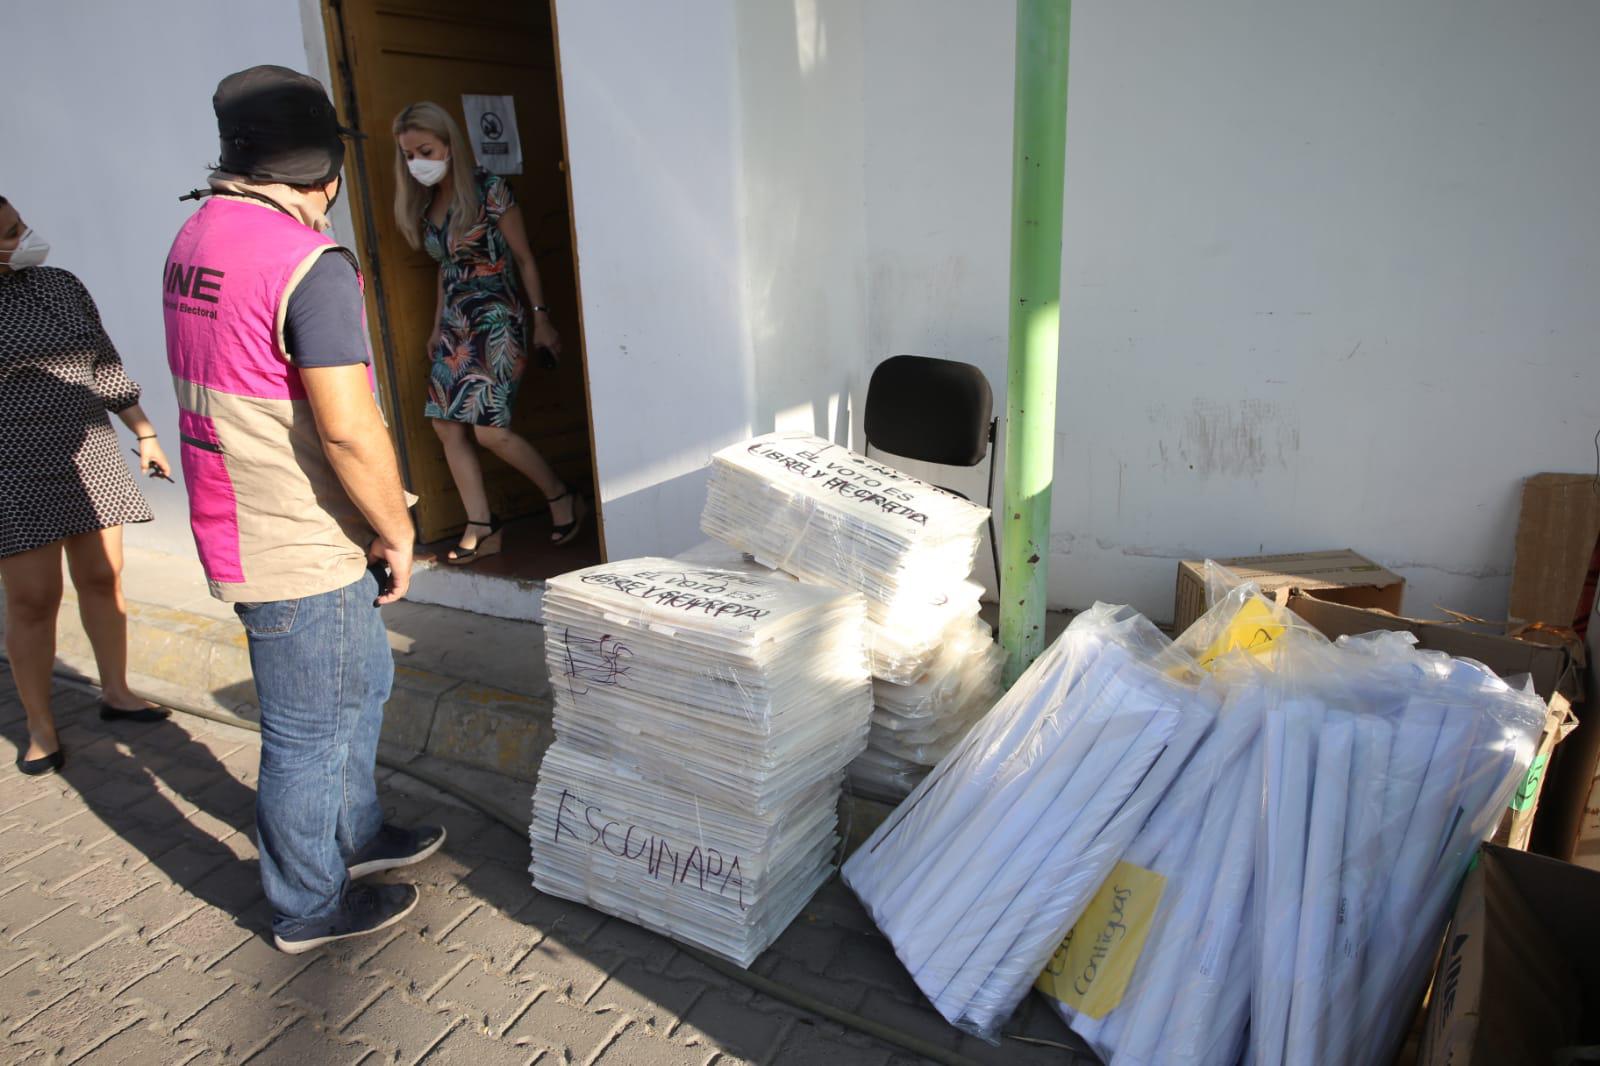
483,331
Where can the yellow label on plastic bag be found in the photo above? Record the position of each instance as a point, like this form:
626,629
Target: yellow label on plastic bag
1253,629
1090,970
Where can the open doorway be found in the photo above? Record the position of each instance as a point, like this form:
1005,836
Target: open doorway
390,53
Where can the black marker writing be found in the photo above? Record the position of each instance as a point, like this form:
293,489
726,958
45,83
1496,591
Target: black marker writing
705,869
594,662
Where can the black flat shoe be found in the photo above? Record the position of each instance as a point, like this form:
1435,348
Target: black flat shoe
44,764
146,715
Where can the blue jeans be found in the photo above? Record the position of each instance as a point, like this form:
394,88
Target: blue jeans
323,672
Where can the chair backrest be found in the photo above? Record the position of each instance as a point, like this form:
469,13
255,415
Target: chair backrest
932,410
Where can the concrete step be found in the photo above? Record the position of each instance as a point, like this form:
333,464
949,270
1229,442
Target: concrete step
469,689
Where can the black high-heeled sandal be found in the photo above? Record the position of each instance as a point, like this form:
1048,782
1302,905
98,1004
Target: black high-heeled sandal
567,532
488,544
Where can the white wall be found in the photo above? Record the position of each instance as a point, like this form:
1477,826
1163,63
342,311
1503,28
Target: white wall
651,98
718,188
938,164
1329,277
106,120
803,212
1329,274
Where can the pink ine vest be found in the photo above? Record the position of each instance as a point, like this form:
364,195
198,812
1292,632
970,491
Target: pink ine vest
270,518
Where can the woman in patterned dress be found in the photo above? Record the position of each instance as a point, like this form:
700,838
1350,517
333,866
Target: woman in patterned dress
469,223
64,488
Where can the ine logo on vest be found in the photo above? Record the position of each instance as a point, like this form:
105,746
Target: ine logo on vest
192,283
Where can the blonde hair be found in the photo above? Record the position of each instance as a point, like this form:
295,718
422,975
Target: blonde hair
411,197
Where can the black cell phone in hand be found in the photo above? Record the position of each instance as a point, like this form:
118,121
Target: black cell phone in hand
384,576
547,358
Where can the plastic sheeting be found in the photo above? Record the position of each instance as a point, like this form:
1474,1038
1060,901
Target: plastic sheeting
806,506
704,717
1291,886
1384,768
916,725
980,873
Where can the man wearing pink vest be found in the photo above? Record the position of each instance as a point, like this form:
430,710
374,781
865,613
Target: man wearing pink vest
295,497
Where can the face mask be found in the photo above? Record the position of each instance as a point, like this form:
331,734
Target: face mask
29,252
428,171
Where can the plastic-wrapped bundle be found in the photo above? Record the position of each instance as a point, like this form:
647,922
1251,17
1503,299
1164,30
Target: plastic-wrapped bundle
894,657
976,877
901,653
1158,970
887,778
656,856
739,687
968,665
1295,877
1385,767
1174,919
916,725
703,717
827,515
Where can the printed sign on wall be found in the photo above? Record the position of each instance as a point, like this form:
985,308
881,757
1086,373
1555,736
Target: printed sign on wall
492,127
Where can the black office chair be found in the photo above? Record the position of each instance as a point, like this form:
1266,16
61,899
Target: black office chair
934,411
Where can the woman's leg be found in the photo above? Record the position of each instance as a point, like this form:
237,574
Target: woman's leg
33,596
526,460
94,561
462,455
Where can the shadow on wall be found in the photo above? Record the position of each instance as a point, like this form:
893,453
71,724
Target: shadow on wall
803,211
660,519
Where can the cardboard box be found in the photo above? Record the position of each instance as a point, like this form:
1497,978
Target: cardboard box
1558,551
1336,576
1554,672
1586,852
1519,976
1552,667
1553,582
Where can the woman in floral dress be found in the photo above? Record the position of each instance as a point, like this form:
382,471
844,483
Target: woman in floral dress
489,287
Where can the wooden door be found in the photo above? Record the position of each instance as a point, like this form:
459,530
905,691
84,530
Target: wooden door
391,53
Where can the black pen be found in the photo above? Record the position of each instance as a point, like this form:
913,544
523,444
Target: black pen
151,470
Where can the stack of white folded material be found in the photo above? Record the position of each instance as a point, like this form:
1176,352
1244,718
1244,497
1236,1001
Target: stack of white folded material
978,875
1384,770
703,718
916,725
1188,1000
1290,886
827,515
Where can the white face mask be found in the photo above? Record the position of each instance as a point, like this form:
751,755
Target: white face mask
29,252
428,171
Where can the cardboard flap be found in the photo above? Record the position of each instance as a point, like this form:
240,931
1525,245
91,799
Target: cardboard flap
1517,975
1557,535
1550,666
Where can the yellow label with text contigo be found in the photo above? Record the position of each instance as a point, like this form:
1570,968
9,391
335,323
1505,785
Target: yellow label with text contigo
1090,970
1253,629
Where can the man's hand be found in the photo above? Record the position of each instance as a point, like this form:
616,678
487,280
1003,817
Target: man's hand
398,558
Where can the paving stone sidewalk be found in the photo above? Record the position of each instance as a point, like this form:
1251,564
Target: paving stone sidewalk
131,931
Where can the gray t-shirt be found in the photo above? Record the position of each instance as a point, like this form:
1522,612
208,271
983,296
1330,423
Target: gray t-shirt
322,324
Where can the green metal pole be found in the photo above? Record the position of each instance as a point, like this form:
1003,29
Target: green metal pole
1038,163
